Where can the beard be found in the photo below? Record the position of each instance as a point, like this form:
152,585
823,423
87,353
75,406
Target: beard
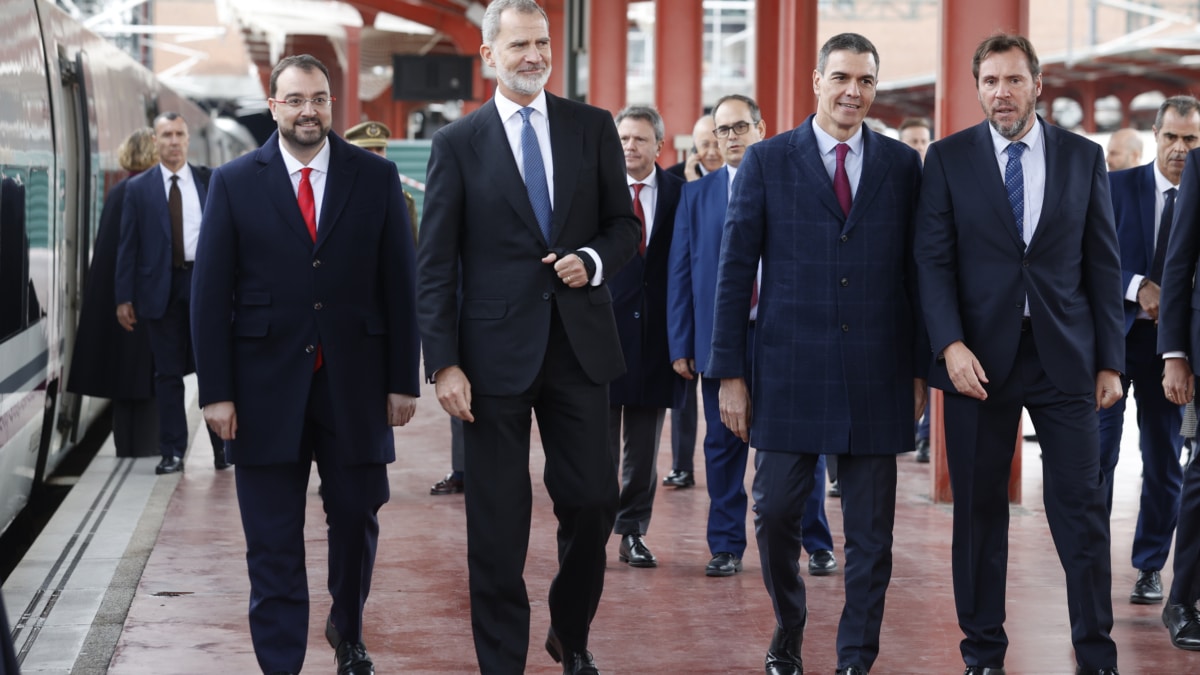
1015,128
305,136
526,84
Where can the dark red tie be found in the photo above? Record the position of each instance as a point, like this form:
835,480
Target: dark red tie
841,182
641,214
308,209
754,294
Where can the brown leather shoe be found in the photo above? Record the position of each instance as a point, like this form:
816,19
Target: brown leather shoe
448,485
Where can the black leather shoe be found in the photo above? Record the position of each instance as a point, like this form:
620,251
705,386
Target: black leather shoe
1183,623
353,659
635,552
922,451
835,490
851,670
982,670
574,663
679,479
783,656
173,465
448,485
219,460
723,565
822,563
1100,671
1147,590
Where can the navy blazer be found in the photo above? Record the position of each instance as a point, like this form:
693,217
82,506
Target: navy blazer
143,274
478,226
264,295
1133,198
1178,318
695,252
640,306
976,273
838,339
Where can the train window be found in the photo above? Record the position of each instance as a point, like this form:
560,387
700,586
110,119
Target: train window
19,305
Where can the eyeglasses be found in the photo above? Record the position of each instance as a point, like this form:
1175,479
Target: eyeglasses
299,102
737,130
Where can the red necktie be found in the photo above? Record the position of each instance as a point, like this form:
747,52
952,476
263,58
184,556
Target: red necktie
841,182
754,294
308,209
641,214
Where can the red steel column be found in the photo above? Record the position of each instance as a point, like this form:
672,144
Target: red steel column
767,62
964,24
557,13
797,59
678,48
608,51
351,107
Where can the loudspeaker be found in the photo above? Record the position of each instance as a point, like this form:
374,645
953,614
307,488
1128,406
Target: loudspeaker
434,77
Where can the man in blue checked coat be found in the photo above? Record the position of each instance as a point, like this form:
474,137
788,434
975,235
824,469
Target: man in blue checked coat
839,353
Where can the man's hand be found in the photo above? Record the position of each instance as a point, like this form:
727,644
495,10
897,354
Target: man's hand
685,368
1108,388
401,408
689,169
1178,381
126,316
221,417
1148,296
454,392
735,407
920,397
570,269
966,373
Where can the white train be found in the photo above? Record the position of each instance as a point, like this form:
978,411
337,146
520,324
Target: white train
67,100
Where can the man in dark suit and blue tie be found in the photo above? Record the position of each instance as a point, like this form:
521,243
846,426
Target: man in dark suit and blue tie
640,398
695,252
837,350
1179,344
1021,289
160,225
1143,203
527,212
306,349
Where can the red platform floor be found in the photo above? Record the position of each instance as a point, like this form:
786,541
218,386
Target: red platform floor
189,614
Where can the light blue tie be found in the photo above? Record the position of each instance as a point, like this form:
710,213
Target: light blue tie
535,174
1014,182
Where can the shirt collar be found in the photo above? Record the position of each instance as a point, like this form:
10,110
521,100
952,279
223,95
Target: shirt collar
1032,140
827,143
507,107
185,174
1160,181
319,163
650,181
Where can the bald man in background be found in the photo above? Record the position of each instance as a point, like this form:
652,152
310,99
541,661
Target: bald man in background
1124,150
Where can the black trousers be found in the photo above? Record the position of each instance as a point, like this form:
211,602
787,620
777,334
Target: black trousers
572,415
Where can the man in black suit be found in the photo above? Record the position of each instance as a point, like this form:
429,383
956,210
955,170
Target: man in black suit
527,212
1020,283
160,225
307,350
641,396
1179,344
1143,203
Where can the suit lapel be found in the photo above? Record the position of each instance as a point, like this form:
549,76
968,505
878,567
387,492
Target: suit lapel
338,185
201,178
875,165
668,193
1145,195
496,159
805,155
566,145
279,187
991,183
1052,193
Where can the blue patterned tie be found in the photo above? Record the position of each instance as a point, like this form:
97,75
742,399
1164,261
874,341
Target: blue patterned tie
1014,182
535,174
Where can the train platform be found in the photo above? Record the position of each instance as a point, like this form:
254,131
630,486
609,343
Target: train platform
140,574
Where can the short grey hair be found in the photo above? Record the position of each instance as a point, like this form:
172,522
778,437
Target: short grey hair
645,113
491,17
1184,107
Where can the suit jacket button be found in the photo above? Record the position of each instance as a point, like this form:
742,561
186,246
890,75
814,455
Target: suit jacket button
637,315
316,264
845,282
317,305
1024,263
845,328
309,349
845,237
545,296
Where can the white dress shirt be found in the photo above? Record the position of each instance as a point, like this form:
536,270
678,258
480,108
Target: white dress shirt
191,206
854,159
320,170
648,198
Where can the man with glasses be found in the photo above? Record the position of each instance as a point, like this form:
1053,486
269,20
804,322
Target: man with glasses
691,292
825,211
307,349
